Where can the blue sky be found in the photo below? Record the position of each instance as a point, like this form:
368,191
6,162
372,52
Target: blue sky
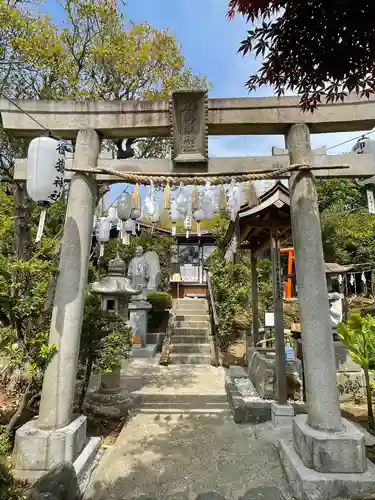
210,42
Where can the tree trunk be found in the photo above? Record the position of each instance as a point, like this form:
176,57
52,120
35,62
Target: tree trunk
21,408
22,222
85,383
370,412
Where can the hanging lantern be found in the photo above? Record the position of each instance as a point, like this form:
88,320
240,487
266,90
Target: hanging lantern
149,205
45,174
199,215
128,228
235,195
207,203
135,213
103,233
124,206
155,218
187,225
363,277
45,170
175,215
112,214
222,201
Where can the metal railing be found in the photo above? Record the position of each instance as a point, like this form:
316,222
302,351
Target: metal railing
214,322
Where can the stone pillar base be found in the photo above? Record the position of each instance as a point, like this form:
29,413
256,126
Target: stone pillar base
282,415
108,404
36,451
308,484
327,452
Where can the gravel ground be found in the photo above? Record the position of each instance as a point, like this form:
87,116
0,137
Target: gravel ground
182,441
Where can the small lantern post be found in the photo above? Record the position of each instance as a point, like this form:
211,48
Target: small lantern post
112,400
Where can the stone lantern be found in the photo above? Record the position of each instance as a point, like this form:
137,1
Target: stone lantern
111,399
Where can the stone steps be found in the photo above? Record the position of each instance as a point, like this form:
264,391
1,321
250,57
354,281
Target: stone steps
191,324
189,339
190,312
189,342
191,348
189,359
191,317
190,331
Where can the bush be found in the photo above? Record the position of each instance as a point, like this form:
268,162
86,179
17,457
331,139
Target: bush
358,336
160,301
231,286
158,318
106,339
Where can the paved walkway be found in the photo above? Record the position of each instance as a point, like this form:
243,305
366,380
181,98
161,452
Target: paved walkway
182,441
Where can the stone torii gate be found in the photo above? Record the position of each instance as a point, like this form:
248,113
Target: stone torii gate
328,453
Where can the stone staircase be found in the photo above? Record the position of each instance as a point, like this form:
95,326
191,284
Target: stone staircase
190,338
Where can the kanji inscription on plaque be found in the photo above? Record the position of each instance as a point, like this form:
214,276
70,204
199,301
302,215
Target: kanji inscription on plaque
188,117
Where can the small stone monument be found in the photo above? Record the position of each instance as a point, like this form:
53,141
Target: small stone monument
112,400
144,273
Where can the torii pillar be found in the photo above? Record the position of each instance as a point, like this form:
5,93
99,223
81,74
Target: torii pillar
57,436
326,457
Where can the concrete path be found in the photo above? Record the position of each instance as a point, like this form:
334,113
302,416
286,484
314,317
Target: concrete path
182,441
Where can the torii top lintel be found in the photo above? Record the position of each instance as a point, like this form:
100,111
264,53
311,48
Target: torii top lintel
189,113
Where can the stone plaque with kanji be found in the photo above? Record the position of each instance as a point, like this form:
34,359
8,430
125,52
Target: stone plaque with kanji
189,127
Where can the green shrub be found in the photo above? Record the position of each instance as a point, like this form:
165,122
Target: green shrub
358,335
158,318
160,301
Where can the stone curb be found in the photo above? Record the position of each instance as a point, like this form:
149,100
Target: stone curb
245,409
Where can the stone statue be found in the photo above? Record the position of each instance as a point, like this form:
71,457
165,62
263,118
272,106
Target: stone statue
153,265
138,272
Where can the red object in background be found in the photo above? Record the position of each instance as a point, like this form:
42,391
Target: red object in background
288,287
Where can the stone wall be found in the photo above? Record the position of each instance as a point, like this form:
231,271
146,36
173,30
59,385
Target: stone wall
262,373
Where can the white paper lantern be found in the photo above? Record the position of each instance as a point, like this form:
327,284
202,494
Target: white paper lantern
187,225
156,215
128,228
199,215
124,206
104,229
135,214
112,214
149,205
175,215
235,195
45,170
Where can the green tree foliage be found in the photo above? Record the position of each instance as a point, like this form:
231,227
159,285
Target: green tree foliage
340,195
348,229
105,340
359,338
231,286
313,47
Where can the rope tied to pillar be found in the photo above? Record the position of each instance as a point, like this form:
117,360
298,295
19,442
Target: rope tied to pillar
201,178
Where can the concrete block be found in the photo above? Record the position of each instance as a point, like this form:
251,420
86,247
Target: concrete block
244,401
339,452
144,352
308,484
281,415
87,461
40,449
